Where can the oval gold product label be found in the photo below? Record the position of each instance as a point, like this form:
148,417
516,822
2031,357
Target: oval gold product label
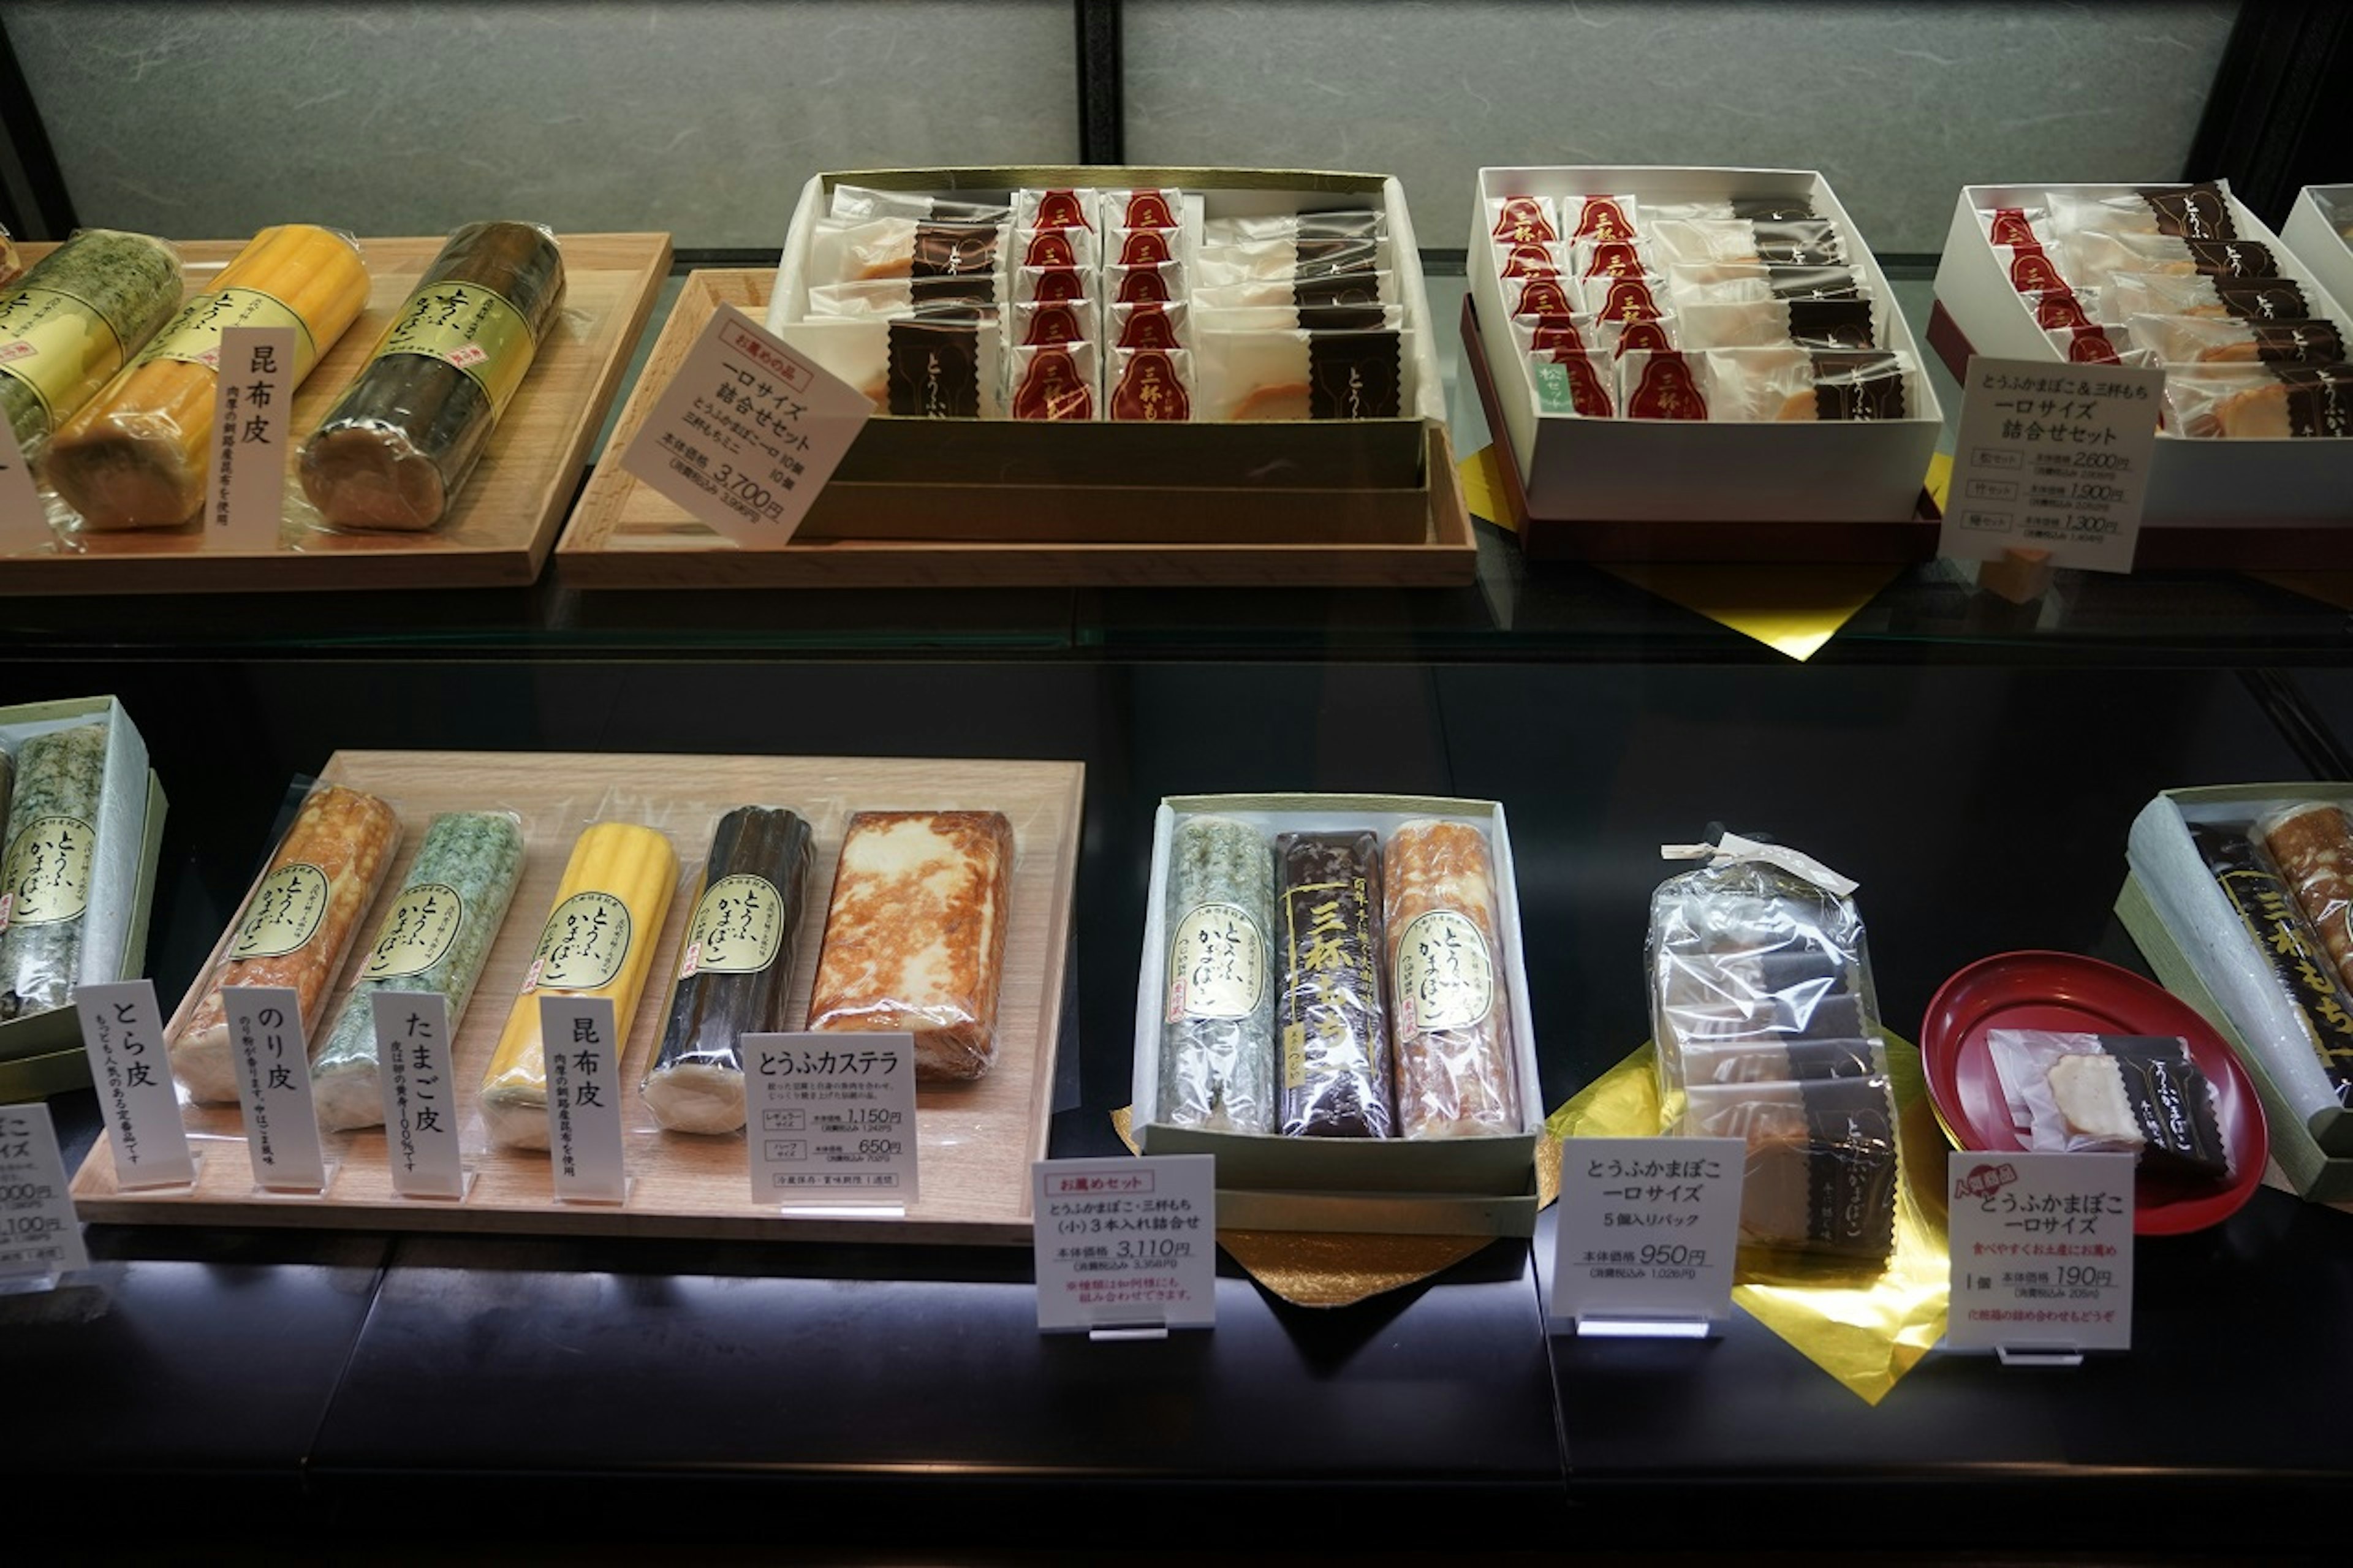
59,346
194,334
285,912
465,325
1445,978
1217,964
47,872
585,944
417,932
739,924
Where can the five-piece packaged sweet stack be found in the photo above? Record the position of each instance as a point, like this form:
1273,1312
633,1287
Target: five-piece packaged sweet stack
2185,278
1128,304
1729,308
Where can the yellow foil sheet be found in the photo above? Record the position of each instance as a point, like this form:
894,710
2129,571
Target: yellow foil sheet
1484,490
1866,1331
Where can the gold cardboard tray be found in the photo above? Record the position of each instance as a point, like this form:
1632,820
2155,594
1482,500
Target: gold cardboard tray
951,532
506,517
975,1141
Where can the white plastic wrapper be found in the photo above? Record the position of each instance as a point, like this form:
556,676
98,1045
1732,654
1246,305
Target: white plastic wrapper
2094,256
1728,283
1143,247
1794,242
2098,344
1047,285
1567,333
1220,232
1602,261
906,296
1521,220
1601,216
1057,247
1531,259
1152,326
1036,209
1792,384
2261,402
1755,209
847,252
1040,325
2063,309
1261,261
1149,385
1344,289
2038,270
936,367
1663,386
1546,297
2109,1094
1807,323
1141,208
1300,375
857,203
1055,381
2193,210
1582,381
1628,299
2204,340
1303,317
2016,226
2130,294
1164,284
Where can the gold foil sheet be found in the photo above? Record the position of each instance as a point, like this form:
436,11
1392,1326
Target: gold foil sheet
1866,1330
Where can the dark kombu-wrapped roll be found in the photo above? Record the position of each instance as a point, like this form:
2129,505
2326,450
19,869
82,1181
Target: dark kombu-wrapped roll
1330,1021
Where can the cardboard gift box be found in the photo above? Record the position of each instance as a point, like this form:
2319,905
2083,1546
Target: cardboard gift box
1440,1186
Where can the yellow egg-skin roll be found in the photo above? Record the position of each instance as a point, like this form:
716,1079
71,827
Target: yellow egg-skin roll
620,874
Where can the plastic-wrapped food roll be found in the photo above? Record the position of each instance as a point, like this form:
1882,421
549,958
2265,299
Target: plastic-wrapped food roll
403,436
1216,1032
2312,845
1329,1016
295,928
859,202
2199,211
1449,1011
434,937
2200,340
2130,294
46,866
735,967
1300,375
2262,401
915,935
599,941
69,324
2303,971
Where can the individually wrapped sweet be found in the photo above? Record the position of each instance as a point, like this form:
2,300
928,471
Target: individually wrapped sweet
1725,283
1600,218
1053,381
1330,1017
938,365
2130,294
859,203
1143,247
1628,299
1520,220
2062,308
1164,284
2199,340
2094,256
1052,209
2015,226
1562,332
1755,209
1156,326
2260,401
1797,242
843,252
1051,285
2072,1093
1303,317
1808,323
1143,208
2036,269
1149,385
908,296
1287,258
1574,381
1598,262
1448,1005
1547,297
1057,321
1663,384
1300,375
1793,383
2198,211
1532,259
2097,344
2307,992
1220,232
1057,247
1217,1033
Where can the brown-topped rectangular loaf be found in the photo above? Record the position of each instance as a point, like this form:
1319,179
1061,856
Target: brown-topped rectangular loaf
914,936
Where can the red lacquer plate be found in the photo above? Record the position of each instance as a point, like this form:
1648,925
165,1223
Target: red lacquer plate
2064,992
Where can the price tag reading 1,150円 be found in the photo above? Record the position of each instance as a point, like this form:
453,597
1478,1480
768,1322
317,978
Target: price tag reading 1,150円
1645,1234
1126,1244
830,1118
747,433
38,1232
2051,458
2042,1253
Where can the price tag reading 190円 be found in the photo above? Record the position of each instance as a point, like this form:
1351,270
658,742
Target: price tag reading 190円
1646,1233
830,1118
2042,1252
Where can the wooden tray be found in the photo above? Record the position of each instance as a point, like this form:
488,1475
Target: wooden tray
976,1141
625,535
507,516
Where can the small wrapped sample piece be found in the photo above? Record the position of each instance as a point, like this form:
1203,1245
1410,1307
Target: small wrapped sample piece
405,434
1753,966
69,324
296,927
734,968
2077,1093
1329,1016
1217,1031
436,938
915,935
1448,1009
599,941
139,455
48,859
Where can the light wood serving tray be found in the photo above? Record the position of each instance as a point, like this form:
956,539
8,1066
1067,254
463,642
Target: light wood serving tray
975,1140
512,507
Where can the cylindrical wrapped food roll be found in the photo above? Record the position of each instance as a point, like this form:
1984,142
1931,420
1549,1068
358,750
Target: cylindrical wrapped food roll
296,928
2312,845
434,937
735,967
1449,1005
70,322
1217,1033
599,941
47,862
398,443
2303,967
1331,1023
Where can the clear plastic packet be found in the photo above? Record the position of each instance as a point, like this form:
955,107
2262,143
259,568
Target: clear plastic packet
1601,218
915,935
734,968
1757,959
48,853
1521,220
1152,326
1057,247
1216,1032
1051,285
1447,1004
1303,317
1221,232
907,296
1724,283
1300,375
847,252
1052,209
1792,384
1149,384
2097,344
2061,310
1603,261
138,453
1330,1012
1143,247
938,365
405,436
1574,381
1289,258
1532,259
2198,339
2259,402
1037,325
73,320
1655,385
1628,299
2199,211
1143,208
1563,333
857,203
2092,257
2130,294
1547,297
1807,323
1054,381
1755,209
1796,242
1162,284
435,936
296,927
2015,226
2111,1094
2037,270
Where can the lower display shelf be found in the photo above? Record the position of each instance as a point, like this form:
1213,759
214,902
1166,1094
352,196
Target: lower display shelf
975,1140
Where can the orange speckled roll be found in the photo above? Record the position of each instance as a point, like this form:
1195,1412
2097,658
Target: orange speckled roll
1450,1005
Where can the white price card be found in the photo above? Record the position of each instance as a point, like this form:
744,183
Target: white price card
420,1094
1127,1243
252,428
830,1118
747,433
122,1033
2053,461
1644,1238
23,525
2042,1252
273,1086
38,1231
581,1046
